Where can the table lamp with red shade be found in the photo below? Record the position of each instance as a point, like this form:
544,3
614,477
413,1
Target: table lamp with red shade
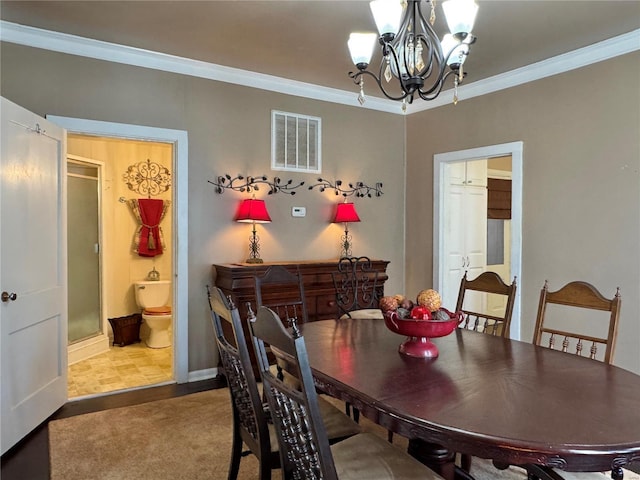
253,211
346,213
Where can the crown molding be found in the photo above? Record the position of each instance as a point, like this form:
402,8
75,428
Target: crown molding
612,47
111,52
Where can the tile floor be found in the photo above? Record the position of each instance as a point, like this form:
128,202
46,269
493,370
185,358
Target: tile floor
121,367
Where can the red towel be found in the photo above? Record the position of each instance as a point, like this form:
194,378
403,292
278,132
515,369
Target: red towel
151,214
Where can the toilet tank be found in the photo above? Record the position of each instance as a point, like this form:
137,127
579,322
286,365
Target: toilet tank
152,293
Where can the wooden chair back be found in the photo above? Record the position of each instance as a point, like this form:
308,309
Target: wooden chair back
283,292
304,445
581,295
356,285
486,282
249,420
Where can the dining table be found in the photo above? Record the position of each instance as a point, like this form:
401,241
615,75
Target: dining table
482,395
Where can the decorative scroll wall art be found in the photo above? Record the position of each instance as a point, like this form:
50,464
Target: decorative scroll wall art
252,184
148,178
359,189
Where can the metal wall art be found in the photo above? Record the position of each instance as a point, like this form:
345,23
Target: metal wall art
252,184
148,178
359,189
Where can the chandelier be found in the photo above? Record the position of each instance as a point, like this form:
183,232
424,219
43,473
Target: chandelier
414,60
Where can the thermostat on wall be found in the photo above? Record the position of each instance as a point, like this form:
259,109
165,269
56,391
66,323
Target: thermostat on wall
298,211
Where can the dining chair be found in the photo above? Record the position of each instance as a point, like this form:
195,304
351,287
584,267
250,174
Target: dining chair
305,452
251,422
356,288
584,296
476,316
357,295
278,282
288,288
571,330
249,419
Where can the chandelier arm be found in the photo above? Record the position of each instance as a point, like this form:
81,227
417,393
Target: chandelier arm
355,76
433,92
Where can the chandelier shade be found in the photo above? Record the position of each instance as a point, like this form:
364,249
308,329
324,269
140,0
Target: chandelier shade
414,61
361,47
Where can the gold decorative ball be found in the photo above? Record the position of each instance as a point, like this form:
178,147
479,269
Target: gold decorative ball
388,304
430,298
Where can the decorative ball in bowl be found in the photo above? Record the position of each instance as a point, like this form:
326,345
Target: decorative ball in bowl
419,333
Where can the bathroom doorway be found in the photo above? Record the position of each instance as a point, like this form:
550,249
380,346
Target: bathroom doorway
178,139
122,180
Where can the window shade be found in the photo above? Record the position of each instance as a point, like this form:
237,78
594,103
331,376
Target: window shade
499,198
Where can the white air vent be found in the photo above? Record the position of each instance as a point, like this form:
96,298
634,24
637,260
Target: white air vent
295,142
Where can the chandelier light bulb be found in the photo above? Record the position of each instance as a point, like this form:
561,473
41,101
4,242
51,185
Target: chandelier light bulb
387,15
361,47
460,15
454,51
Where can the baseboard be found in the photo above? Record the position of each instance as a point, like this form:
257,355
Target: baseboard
87,349
205,374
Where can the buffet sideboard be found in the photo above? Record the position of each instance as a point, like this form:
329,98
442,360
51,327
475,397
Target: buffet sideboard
237,280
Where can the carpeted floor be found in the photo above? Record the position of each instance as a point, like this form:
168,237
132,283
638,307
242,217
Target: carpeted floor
184,438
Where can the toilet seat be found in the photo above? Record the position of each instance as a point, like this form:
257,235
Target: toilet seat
164,310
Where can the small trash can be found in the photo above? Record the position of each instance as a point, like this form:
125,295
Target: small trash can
126,330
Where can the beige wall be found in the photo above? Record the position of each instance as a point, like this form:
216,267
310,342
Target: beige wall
229,132
581,183
123,265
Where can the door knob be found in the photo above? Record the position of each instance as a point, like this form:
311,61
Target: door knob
8,296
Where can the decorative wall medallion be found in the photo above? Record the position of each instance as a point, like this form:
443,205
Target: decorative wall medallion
148,178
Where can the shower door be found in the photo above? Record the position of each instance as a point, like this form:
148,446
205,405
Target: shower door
83,210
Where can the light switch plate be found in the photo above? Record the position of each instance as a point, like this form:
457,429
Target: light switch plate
298,211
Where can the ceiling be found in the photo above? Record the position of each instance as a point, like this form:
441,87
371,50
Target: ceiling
305,40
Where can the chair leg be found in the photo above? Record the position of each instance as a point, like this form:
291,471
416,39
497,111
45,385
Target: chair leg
265,470
389,436
461,474
539,472
349,409
465,462
236,451
617,473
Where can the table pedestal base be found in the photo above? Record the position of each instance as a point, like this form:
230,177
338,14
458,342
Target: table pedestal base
437,458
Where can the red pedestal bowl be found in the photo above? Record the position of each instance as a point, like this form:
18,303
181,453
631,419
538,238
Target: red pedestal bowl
419,333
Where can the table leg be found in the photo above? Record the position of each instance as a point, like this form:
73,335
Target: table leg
434,456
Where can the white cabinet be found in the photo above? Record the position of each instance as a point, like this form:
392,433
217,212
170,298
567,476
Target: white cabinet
465,226
471,173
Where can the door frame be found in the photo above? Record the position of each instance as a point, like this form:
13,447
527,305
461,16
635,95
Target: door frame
179,139
515,149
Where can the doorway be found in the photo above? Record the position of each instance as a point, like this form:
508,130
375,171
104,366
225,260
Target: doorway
179,271
443,165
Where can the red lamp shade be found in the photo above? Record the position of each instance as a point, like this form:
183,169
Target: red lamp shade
252,210
346,212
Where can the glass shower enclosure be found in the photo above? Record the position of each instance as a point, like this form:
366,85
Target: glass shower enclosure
83,237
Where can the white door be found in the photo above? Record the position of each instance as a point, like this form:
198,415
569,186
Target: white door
33,275
465,229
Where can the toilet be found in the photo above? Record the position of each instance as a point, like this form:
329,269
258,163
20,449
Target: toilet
154,297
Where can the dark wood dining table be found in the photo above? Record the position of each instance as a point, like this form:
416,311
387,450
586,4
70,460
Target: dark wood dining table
490,397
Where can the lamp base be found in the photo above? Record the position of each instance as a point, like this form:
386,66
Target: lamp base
254,260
